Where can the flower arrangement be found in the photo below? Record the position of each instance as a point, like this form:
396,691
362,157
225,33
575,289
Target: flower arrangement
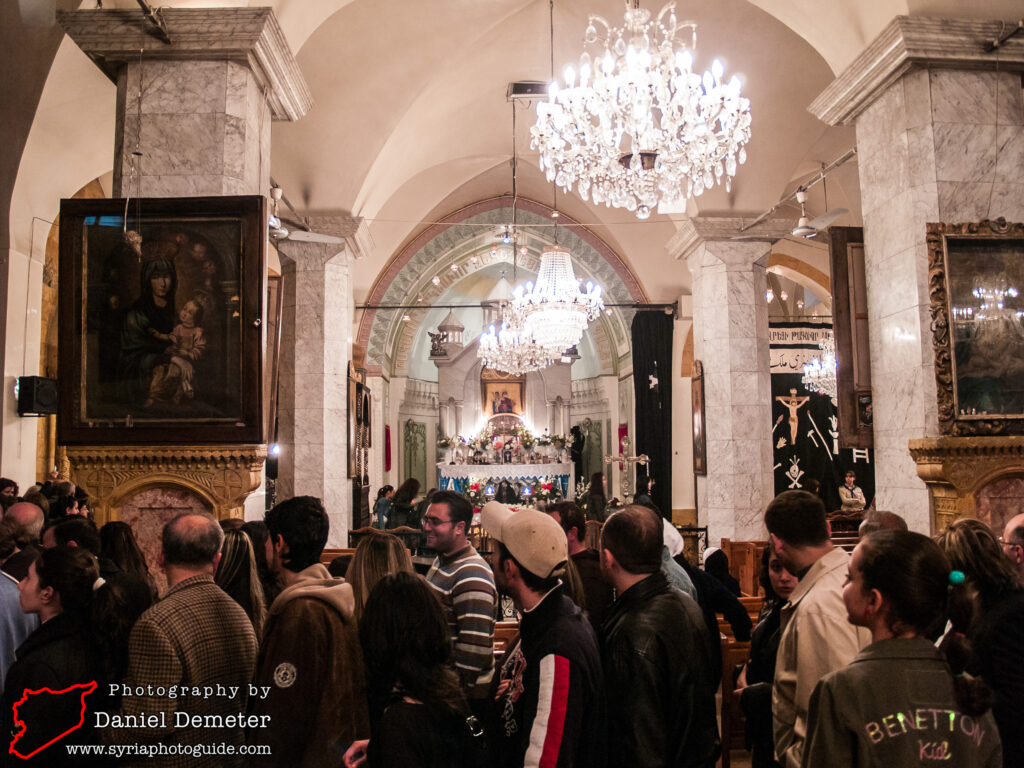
558,441
544,439
477,494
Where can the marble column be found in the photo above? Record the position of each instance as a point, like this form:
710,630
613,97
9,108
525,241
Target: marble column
193,117
316,348
940,137
730,335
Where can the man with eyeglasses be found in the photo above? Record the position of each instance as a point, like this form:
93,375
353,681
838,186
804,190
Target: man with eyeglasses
464,582
1013,543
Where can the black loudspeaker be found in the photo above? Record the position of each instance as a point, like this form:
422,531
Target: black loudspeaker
36,395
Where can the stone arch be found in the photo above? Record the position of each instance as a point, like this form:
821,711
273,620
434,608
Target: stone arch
407,275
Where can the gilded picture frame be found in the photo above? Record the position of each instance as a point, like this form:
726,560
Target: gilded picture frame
976,292
162,306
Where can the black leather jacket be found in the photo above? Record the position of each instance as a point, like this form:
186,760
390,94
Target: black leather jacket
660,689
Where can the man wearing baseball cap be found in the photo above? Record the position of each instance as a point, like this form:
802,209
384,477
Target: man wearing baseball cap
550,699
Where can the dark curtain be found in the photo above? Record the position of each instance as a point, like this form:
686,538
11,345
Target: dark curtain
652,382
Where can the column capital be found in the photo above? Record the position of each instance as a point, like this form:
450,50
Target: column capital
734,243
910,41
307,256
354,230
252,36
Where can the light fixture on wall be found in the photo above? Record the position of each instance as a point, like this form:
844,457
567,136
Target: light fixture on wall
635,126
820,374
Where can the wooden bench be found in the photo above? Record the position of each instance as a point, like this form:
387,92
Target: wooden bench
505,632
733,653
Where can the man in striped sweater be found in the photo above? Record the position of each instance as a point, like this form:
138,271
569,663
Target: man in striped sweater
465,584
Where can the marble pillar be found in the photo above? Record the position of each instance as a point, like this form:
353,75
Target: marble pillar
730,335
193,117
940,137
316,348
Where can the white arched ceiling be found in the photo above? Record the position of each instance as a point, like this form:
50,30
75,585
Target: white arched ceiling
409,111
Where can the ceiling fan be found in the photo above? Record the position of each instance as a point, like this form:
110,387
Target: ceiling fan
809,228
299,232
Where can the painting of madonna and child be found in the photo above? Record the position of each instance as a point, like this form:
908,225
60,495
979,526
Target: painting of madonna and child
168,332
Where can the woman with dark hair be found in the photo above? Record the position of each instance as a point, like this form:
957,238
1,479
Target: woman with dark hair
993,621
58,655
116,606
376,556
901,701
117,543
418,714
755,680
238,576
382,507
151,316
402,510
596,500
8,488
257,532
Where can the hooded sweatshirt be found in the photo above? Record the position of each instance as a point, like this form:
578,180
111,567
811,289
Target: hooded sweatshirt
310,674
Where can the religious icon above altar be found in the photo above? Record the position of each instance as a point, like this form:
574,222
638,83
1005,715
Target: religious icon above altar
501,393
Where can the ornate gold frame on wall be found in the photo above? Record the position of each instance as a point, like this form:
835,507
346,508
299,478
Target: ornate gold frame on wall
221,475
950,422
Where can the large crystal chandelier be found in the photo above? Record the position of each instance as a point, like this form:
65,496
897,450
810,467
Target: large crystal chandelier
636,126
820,373
510,348
554,310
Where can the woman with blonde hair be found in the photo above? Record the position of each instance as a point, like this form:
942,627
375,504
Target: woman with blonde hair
238,576
376,556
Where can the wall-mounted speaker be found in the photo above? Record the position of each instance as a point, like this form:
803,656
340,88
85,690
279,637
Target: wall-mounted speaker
36,395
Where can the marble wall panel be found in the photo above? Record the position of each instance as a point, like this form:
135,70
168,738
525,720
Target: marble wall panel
998,501
1011,99
921,155
178,87
964,152
963,97
1010,158
964,200
147,513
1008,201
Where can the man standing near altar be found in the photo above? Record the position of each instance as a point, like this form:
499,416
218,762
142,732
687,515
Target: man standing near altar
464,582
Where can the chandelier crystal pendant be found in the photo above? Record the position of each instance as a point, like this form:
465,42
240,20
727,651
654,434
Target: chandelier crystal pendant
820,374
554,310
635,126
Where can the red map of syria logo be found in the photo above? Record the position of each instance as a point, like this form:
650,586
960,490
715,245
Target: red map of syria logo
60,716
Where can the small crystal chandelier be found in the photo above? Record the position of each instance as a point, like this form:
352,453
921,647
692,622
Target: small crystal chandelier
636,126
820,373
554,310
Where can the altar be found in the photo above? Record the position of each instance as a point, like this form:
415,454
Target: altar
461,477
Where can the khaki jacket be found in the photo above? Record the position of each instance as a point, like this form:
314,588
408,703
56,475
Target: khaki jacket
816,640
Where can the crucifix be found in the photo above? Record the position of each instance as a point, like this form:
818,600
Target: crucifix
626,458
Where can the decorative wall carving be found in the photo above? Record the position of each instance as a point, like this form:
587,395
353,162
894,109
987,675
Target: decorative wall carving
222,476
955,469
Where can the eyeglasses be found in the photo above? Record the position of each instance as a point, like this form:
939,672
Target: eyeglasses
434,522
1010,543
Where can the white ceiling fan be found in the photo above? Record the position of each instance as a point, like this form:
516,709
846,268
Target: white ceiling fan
809,228
299,231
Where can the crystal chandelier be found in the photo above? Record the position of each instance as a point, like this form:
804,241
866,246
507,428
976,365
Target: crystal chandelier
636,126
820,373
510,348
554,310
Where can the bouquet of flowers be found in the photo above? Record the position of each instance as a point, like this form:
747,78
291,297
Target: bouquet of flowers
544,439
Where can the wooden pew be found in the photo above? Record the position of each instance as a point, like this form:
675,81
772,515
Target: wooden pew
733,653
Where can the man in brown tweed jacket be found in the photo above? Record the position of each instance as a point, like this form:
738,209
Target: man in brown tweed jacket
191,655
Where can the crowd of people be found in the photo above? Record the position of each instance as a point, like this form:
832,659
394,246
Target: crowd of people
908,652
